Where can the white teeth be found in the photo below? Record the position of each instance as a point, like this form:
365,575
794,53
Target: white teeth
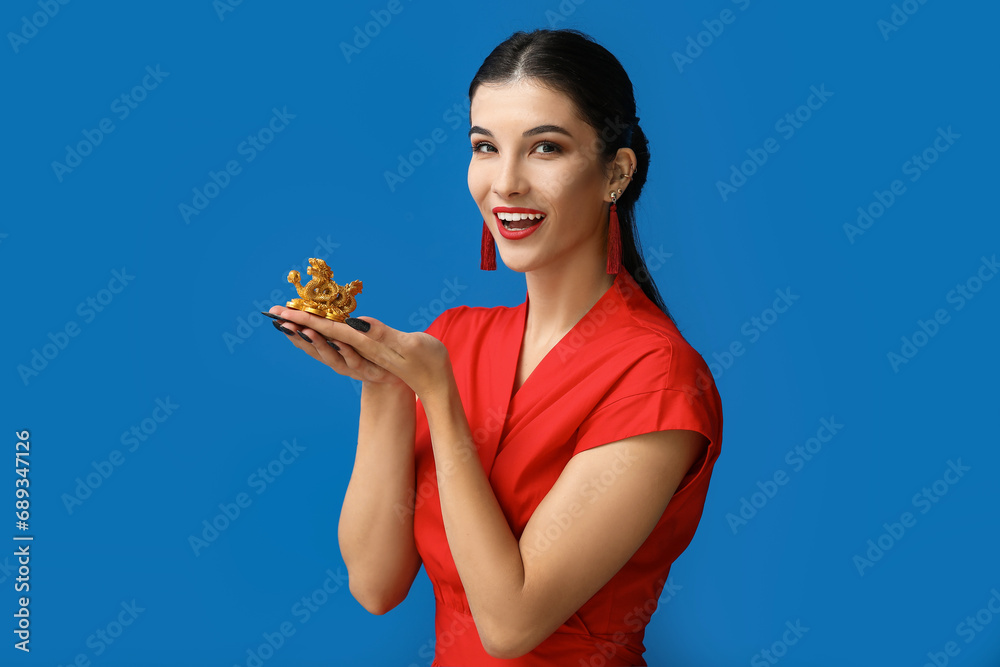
515,217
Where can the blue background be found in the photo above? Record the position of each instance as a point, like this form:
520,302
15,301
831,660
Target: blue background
182,327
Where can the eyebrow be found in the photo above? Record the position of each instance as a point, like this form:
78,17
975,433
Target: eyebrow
475,129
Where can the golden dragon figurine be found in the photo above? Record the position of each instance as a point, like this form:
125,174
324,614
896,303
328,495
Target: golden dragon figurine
321,296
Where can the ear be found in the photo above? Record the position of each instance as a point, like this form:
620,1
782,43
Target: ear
623,166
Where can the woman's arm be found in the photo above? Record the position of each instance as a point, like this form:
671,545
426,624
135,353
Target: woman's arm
376,528
518,593
376,521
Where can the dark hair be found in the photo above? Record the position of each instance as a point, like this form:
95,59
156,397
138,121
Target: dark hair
571,62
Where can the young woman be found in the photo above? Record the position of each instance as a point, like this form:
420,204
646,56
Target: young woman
546,463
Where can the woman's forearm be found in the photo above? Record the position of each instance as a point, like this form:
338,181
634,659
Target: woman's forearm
486,553
376,521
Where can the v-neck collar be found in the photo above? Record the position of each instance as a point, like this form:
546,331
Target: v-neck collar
513,339
521,320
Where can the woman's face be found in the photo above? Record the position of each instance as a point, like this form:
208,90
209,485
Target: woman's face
531,151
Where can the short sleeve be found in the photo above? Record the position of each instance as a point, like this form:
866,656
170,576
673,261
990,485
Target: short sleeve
439,326
670,387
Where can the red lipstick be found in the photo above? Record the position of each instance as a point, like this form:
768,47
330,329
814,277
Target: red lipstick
515,234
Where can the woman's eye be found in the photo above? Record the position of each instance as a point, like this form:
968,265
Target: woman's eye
554,148
546,147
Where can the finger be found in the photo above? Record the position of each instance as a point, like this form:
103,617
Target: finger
291,331
311,351
308,340
296,340
325,351
299,318
361,369
327,328
348,356
345,361
284,328
379,344
310,337
374,346
371,345
297,332
273,313
317,340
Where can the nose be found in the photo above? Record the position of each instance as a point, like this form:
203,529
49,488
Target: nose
510,179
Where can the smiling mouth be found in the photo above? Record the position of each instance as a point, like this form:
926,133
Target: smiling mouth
516,221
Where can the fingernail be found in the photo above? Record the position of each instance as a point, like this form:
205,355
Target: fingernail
333,345
307,338
274,317
281,328
360,325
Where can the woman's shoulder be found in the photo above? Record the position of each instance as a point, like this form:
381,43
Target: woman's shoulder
463,317
655,342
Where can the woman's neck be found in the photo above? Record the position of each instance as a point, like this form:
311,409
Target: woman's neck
559,298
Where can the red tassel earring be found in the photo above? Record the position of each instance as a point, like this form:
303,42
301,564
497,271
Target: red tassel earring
488,252
614,240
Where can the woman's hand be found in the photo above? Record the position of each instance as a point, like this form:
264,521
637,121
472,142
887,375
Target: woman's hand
344,360
379,355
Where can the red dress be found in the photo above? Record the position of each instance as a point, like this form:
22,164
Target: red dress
623,370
